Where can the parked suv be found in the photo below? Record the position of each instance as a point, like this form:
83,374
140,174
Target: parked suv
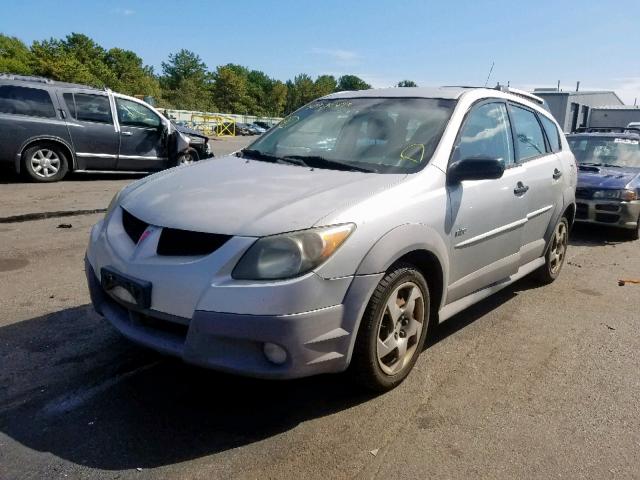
286,260
608,189
49,128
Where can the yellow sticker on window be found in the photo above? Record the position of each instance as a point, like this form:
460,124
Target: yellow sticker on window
413,153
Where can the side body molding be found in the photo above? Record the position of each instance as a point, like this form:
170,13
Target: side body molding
402,240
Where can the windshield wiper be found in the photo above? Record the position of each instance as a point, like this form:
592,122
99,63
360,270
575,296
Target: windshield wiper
321,162
258,155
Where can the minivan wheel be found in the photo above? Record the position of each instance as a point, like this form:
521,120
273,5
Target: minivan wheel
393,329
45,163
556,253
187,158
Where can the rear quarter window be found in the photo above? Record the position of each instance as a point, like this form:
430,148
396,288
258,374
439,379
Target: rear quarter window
553,135
34,102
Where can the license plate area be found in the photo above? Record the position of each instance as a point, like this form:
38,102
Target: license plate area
131,292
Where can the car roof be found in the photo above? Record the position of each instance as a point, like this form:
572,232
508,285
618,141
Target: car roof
452,93
33,81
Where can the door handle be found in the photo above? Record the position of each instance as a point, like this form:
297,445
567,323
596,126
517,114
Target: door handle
126,134
521,189
557,174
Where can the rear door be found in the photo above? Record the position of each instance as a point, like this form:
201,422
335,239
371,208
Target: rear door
142,137
543,178
487,216
92,129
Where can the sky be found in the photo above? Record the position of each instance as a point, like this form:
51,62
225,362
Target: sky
446,42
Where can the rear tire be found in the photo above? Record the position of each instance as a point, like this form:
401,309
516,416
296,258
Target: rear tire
556,254
393,329
45,163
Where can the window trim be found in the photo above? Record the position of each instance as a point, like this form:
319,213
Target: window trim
547,147
472,107
117,99
111,123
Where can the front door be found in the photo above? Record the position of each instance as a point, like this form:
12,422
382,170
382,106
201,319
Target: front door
486,216
142,137
92,130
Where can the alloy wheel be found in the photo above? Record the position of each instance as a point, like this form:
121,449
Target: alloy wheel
400,328
45,163
558,248
186,159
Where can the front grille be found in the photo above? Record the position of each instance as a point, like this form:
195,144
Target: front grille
582,210
133,226
608,207
584,193
607,217
183,242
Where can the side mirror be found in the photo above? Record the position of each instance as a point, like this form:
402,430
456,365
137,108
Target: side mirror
475,168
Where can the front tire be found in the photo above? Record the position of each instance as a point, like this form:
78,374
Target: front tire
556,253
635,233
393,329
45,163
187,157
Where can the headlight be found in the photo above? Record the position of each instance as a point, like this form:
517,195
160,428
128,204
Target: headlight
290,254
625,195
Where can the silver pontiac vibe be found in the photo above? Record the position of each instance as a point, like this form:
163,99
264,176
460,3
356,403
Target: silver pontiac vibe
342,235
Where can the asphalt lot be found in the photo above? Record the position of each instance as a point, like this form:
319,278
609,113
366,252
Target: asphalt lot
534,382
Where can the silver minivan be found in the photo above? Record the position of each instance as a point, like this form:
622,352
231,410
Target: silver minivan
339,238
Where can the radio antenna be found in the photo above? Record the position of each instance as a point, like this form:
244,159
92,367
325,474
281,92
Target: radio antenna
489,76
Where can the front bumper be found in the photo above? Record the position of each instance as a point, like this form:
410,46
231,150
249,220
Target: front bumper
316,341
607,212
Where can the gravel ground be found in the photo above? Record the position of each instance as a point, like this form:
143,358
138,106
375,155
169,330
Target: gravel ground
534,382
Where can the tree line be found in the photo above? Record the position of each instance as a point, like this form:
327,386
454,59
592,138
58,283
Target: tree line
185,81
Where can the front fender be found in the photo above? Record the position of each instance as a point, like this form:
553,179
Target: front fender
400,241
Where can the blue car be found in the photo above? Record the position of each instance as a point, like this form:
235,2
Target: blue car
608,191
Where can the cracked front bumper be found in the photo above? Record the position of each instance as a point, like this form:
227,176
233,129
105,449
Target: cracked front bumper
316,341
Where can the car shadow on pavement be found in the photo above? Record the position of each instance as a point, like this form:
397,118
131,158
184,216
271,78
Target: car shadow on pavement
10,176
70,385
585,235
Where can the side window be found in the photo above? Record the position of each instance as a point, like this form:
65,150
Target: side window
486,134
134,114
530,139
552,133
92,108
71,104
26,101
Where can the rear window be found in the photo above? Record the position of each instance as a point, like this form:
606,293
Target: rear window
552,133
26,101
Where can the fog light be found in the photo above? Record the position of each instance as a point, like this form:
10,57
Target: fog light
274,353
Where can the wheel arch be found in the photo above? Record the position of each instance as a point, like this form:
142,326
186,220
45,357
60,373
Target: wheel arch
417,244
67,150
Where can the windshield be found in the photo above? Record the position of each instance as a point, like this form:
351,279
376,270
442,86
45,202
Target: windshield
383,135
610,151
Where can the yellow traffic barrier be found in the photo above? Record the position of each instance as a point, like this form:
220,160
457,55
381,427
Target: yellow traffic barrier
218,125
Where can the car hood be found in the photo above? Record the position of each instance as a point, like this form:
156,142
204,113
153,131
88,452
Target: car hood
189,131
607,178
234,196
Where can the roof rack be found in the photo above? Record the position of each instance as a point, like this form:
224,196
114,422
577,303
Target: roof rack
607,130
26,78
521,93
